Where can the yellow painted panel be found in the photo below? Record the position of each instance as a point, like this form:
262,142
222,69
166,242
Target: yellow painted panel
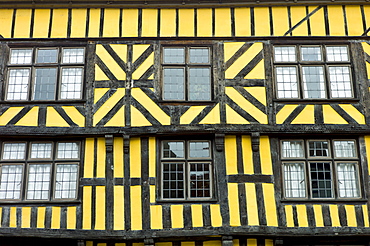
168,23
118,119
204,22
22,23
89,158
284,113
187,243
331,116
351,215
30,119
270,206
354,113
368,70
247,154
75,115
262,21
54,119
9,114
265,153
233,117
307,116
336,20
137,118
41,23
367,15
318,215
151,106
354,20
78,23
13,217
149,22
89,243
111,63
143,67
71,218
197,215
289,215
252,207
366,215
156,217
152,157
230,155
280,20
41,217
138,50
367,145
152,191
118,208
118,154
212,243
94,23
98,93
100,167
334,215
302,215
129,27
108,105
213,117
1,212
222,22
86,207
60,23
251,242
234,204
297,13
258,92
100,208
163,244
55,217
136,216
246,105
366,47
318,28
242,21
135,158
6,19
186,22
111,22
236,242
26,217
216,219
190,114
269,242
258,72
177,216
121,50
100,75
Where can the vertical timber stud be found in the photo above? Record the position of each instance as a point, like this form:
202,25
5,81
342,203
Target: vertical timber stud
219,142
109,182
80,243
126,181
227,241
149,242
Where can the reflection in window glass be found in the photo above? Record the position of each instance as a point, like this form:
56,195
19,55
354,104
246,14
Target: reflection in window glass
313,82
45,84
41,150
173,149
318,149
174,55
311,53
14,151
199,149
285,54
47,56
287,84
321,180
199,84
200,180
173,79
11,181
38,185
21,56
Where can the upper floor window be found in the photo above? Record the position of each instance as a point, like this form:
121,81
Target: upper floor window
320,168
41,74
186,169
39,171
313,72
186,73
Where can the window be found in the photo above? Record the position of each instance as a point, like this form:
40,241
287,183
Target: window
35,171
320,168
41,74
313,72
186,73
186,169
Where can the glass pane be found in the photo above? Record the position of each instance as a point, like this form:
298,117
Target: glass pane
173,149
286,79
340,82
173,84
294,180
311,54
67,151
318,149
174,55
66,181
313,82
199,149
14,151
173,180
337,53
71,86
199,55
21,56
200,84
200,180
41,150
11,181
285,54
321,180
38,182
344,148
347,180
73,55
18,84
292,149
47,56
45,84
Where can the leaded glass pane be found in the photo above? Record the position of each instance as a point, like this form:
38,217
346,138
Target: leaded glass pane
71,86
14,151
337,53
173,180
11,181
38,185
199,84
73,55
199,149
66,181
348,180
174,55
41,150
344,148
287,83
45,84
321,180
200,180
313,82
340,82
292,149
318,148
47,56
18,84
285,54
311,53
21,56
173,84
199,55
294,180
173,149
67,150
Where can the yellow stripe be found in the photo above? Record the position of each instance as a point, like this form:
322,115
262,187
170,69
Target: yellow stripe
152,157
331,116
149,19
156,217
118,205
111,23
247,154
334,215
230,48
71,217
354,18
318,18
118,156
135,158
197,215
366,215
1,212
75,115
262,21
213,117
252,207
89,158
94,23
111,63
168,23
302,215
216,219
41,23
22,23
354,113
318,215
86,207
177,216
230,155
30,119
98,93
204,22
351,215
107,106
152,190
137,118
54,119
136,217
234,204
100,208
367,15
242,22
143,67
297,14
336,20
367,145
129,27
41,217
100,167
265,153
59,24
6,19
78,29
9,114
258,92
251,242
212,243
232,117
13,217
222,22
187,244
284,113
270,206
55,217
186,22
280,20
306,116
289,215
138,50
26,217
